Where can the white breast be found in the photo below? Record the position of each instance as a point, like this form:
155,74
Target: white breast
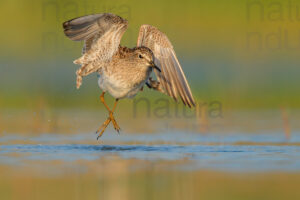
117,88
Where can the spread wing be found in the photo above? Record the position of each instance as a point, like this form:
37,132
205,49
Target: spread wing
171,77
101,34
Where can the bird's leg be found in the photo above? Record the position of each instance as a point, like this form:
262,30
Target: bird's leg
116,126
155,85
103,101
111,117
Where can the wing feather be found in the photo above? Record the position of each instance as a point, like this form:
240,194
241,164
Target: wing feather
171,77
101,34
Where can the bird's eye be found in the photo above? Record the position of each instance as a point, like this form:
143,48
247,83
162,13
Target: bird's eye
140,56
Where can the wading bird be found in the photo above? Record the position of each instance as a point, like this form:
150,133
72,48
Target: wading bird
124,71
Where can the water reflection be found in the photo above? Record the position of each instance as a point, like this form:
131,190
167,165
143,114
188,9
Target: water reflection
233,154
149,166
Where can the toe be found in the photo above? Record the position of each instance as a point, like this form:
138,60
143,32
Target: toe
102,128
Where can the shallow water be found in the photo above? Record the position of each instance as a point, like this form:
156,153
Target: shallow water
185,151
171,165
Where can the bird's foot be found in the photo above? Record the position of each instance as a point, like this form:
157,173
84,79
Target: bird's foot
103,127
116,126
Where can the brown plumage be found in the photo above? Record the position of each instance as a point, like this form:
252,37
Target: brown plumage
124,71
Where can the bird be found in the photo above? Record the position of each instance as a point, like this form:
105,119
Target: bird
123,71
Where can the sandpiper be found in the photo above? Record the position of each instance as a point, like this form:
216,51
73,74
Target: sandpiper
124,71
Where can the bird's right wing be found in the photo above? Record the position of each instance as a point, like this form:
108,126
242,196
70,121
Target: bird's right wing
101,34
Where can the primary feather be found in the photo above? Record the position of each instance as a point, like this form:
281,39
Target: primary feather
171,76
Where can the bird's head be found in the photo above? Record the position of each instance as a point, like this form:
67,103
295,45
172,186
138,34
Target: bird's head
145,56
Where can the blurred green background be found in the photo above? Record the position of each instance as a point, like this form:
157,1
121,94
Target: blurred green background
241,53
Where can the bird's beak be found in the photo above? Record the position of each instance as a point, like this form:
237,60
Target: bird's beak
154,66
157,68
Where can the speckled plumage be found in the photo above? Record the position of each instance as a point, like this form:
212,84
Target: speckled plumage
102,34
124,71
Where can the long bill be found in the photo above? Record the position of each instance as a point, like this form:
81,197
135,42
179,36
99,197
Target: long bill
155,67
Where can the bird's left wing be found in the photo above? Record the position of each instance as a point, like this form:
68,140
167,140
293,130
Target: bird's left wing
171,76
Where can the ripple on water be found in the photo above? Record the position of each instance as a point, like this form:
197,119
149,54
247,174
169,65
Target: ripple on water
219,155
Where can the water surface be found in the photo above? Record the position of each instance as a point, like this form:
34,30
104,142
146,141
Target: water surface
186,151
